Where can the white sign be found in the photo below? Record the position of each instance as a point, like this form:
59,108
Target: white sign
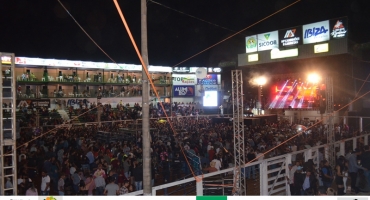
267,41
251,43
316,32
321,48
253,57
276,53
183,79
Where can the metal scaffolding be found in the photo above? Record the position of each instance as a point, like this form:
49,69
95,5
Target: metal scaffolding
238,125
329,111
8,161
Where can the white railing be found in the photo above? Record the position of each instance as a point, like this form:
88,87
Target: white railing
270,182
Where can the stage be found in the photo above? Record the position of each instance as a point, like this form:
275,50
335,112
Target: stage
255,120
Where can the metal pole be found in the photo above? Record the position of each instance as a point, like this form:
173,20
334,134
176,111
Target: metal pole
145,107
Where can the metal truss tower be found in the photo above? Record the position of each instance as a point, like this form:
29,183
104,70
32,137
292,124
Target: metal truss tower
329,112
238,125
8,161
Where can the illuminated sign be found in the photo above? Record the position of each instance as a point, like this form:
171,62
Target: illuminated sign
290,37
6,60
253,57
210,79
183,91
251,44
321,48
316,32
181,69
178,79
338,28
276,53
267,41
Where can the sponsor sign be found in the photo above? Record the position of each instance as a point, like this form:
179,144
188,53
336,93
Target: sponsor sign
178,79
72,102
290,37
210,79
251,43
316,32
268,41
181,69
183,91
211,87
37,103
6,60
338,28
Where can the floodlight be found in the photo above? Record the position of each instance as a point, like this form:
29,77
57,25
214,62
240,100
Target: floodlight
313,78
260,80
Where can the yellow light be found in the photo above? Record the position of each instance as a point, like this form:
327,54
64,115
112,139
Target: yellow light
253,57
313,78
321,48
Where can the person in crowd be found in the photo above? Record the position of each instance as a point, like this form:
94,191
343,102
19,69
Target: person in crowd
353,168
290,178
32,191
61,185
308,184
327,174
99,185
340,175
45,184
365,162
137,173
111,189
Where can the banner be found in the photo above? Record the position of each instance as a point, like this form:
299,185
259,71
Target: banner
210,79
268,41
316,32
338,28
37,103
251,44
291,36
183,91
180,79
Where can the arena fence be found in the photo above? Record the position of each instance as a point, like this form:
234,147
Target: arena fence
272,171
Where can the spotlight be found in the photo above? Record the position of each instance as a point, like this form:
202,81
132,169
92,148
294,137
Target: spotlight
313,78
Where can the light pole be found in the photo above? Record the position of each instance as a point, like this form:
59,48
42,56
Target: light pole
260,81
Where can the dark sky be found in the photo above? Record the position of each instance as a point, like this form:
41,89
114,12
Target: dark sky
43,29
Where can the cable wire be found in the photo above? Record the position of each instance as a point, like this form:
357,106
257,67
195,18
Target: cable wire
192,16
259,21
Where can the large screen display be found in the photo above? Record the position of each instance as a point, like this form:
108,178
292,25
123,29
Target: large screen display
210,99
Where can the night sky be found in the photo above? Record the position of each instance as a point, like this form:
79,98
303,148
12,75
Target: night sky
43,29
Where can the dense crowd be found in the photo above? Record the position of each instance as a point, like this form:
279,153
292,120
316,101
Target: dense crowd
71,161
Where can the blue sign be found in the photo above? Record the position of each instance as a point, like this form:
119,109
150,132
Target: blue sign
210,79
183,91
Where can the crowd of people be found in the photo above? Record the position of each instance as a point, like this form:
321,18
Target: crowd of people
71,161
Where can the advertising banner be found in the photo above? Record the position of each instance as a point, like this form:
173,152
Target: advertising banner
210,79
183,91
181,69
268,41
316,32
338,28
37,103
182,79
290,37
251,44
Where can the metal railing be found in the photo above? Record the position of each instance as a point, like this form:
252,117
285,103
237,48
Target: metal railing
272,170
